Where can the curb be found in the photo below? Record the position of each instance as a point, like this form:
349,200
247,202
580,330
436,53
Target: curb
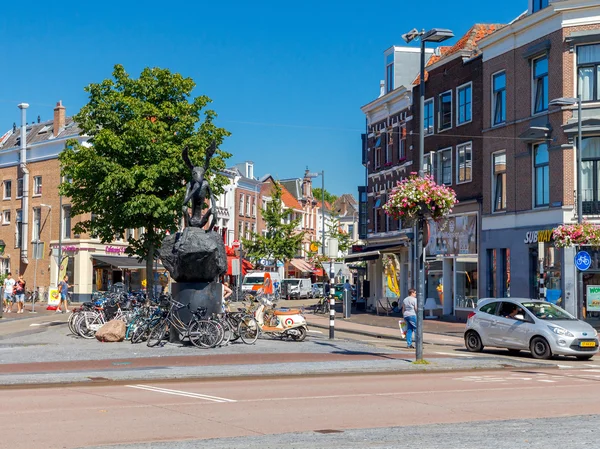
377,335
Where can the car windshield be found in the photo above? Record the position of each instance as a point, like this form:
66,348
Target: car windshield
547,311
252,280
290,282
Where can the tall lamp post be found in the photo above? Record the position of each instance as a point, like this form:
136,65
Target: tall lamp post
436,35
322,175
36,256
563,101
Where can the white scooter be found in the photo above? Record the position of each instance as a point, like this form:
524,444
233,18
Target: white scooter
281,323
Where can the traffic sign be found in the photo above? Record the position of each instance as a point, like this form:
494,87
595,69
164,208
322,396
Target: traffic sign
583,261
236,244
314,247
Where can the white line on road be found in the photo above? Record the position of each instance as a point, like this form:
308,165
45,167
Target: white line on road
454,354
564,366
181,393
316,332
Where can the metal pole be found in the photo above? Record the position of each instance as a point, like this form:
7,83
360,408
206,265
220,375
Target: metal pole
323,211
239,289
60,232
420,274
578,273
331,300
35,256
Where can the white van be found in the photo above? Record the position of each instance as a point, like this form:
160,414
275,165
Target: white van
296,288
254,279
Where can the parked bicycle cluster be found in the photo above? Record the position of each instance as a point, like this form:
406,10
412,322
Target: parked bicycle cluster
158,320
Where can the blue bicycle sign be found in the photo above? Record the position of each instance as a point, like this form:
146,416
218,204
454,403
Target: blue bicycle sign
583,261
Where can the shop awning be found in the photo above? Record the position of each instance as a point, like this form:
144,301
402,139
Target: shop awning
318,272
301,265
123,262
358,257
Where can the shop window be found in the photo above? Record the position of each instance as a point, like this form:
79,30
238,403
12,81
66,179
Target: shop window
465,287
505,272
491,273
545,272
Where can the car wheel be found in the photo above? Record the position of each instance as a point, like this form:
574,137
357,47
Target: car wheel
473,341
540,349
584,357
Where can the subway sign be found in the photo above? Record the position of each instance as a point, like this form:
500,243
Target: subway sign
544,236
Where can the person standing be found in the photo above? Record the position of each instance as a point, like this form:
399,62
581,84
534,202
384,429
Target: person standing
63,288
409,312
9,284
225,293
20,294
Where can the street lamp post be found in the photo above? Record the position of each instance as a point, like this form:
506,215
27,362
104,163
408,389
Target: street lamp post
571,102
36,256
434,35
322,175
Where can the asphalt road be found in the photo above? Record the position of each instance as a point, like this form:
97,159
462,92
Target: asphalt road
401,408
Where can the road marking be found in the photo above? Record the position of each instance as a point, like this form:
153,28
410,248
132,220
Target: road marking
181,393
593,366
564,366
455,354
316,332
546,380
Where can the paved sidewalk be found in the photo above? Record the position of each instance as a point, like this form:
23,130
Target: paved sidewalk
387,327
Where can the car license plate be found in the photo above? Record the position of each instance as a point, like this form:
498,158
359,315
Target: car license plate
587,344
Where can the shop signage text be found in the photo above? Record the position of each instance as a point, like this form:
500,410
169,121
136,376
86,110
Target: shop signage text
593,298
114,250
538,236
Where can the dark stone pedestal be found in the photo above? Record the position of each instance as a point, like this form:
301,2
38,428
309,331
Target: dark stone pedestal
196,294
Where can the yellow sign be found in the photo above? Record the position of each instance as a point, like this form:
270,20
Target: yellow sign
314,247
53,297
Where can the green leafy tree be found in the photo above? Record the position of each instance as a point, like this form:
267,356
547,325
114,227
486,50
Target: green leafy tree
282,238
318,195
130,174
344,239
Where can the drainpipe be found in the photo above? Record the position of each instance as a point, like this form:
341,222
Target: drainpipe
25,199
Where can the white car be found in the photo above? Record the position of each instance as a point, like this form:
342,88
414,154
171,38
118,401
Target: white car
529,324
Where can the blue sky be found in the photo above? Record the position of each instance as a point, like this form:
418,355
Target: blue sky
287,79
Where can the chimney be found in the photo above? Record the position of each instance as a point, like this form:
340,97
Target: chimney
381,88
59,118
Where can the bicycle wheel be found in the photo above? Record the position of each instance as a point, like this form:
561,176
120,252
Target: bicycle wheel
248,330
88,324
205,333
233,325
157,334
72,322
140,332
227,332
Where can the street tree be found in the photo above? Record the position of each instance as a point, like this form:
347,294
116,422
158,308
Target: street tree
318,195
282,239
130,173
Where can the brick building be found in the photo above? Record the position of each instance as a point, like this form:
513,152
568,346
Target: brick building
529,152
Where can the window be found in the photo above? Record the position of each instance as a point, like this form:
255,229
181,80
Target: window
94,218
388,148
254,208
428,117
540,84
37,224
129,233
18,228
402,144
7,189
20,188
429,164
505,272
377,154
248,205
66,222
242,204
445,170
240,230
445,111
588,69
491,273
465,100
37,185
6,217
389,73
499,181
538,4
499,98
590,174
541,173
489,308
464,159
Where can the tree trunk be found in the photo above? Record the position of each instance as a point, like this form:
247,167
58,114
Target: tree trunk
149,266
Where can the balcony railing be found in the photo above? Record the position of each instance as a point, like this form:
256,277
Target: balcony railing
590,202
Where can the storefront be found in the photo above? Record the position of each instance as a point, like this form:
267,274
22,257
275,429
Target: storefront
452,272
93,267
525,263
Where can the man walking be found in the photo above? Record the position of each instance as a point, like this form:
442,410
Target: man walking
9,284
409,311
63,288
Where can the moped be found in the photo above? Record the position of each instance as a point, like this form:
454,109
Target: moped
280,323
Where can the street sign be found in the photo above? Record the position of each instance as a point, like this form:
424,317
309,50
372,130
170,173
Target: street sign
583,261
235,267
314,247
236,244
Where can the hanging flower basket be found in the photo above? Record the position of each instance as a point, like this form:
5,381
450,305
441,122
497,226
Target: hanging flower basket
416,196
577,234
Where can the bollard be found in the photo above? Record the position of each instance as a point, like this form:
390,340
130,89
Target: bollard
332,311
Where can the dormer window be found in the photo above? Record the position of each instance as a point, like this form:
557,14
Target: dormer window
538,4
